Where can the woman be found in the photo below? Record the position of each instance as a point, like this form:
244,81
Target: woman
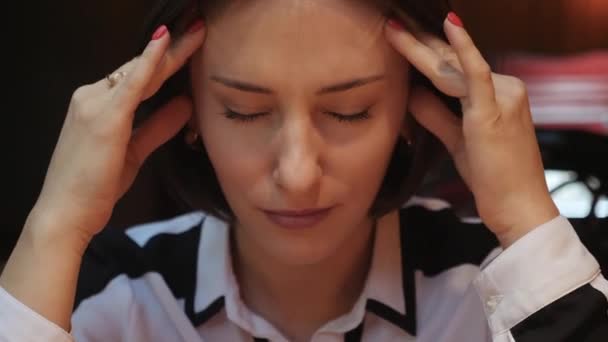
301,235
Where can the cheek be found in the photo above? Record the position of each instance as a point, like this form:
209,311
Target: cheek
363,162
236,162
225,150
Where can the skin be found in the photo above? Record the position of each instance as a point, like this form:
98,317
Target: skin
97,155
297,155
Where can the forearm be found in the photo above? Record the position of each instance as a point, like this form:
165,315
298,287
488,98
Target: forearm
547,286
42,271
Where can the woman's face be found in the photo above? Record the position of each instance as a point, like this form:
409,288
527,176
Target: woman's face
304,74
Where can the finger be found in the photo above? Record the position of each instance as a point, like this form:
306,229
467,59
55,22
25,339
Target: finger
477,71
177,55
428,110
158,129
411,48
441,48
431,113
102,86
438,45
129,91
440,72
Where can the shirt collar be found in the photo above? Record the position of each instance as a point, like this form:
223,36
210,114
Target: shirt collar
385,279
215,277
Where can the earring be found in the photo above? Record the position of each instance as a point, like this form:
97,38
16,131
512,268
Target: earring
407,140
191,137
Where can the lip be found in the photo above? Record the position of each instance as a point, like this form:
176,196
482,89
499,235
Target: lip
297,219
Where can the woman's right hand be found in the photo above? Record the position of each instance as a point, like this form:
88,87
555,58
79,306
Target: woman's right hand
97,156
94,163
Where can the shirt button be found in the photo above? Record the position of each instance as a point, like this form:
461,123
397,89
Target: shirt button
492,303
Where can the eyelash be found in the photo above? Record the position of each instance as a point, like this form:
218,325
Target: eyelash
232,115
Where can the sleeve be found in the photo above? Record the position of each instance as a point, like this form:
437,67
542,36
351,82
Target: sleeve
545,287
103,303
20,323
107,316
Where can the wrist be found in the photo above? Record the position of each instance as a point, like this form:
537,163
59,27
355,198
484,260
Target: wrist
42,271
44,230
526,221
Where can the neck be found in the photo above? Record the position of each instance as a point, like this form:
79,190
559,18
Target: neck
320,292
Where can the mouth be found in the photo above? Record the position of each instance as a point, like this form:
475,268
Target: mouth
297,219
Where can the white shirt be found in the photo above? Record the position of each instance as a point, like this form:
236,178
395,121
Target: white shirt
433,278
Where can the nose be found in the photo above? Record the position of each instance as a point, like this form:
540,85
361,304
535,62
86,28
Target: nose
298,170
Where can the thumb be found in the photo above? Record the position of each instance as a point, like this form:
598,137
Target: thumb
432,114
165,123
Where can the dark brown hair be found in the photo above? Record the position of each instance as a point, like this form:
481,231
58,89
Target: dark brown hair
188,174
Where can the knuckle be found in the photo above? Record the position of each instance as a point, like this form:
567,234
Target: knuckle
80,94
80,104
514,97
82,112
519,88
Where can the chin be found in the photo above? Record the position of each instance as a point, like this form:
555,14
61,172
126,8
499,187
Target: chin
301,247
302,253
305,247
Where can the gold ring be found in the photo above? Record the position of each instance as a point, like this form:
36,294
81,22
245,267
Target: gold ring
115,77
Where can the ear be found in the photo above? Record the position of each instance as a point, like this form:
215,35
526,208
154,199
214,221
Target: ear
192,124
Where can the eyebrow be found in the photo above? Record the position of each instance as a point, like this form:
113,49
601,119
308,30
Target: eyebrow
253,88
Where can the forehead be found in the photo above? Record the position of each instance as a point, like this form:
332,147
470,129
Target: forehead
298,38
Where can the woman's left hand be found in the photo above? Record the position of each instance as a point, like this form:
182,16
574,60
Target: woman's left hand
494,145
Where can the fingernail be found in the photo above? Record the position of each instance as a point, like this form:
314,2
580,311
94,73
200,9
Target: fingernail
455,19
160,32
396,24
195,26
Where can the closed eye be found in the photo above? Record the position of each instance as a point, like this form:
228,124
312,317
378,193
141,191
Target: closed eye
350,117
233,115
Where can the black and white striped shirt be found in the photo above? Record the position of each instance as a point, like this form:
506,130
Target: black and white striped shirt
434,277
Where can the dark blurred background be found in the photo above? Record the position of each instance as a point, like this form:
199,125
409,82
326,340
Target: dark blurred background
560,47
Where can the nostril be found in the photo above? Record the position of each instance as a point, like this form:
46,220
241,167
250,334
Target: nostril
297,173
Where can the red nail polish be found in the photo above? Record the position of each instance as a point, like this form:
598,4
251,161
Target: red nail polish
396,24
195,26
455,19
159,32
